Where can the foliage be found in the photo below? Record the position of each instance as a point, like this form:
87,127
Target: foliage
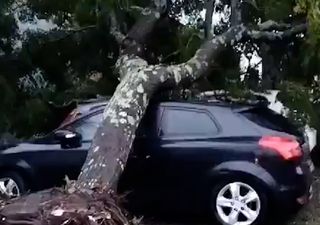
72,55
299,99
55,64
312,9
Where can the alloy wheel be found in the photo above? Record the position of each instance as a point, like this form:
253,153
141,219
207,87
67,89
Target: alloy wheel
9,187
238,203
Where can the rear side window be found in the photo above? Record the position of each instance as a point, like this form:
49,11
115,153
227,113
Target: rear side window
149,123
269,119
187,122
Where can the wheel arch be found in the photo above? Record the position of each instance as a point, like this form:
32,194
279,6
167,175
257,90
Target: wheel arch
23,169
242,170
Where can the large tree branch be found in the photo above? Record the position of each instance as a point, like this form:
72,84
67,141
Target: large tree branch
115,29
208,19
143,28
59,35
285,33
271,25
278,35
236,14
198,65
206,54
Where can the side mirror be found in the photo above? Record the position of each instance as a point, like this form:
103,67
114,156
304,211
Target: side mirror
68,139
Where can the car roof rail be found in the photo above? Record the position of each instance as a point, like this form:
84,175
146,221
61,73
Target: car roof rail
221,96
218,97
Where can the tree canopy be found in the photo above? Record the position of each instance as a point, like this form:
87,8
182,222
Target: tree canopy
58,51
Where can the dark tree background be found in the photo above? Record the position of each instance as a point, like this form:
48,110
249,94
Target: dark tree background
63,51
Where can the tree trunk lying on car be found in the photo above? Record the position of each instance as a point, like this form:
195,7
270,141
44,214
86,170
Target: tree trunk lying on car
86,201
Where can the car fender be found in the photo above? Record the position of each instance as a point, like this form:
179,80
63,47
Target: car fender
26,167
23,168
248,168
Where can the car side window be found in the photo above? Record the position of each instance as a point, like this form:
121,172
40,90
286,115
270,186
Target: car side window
88,126
149,122
178,122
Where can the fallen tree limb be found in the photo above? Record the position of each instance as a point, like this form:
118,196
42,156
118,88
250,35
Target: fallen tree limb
277,35
271,25
208,19
58,206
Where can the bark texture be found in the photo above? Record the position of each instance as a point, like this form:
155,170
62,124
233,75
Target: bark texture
236,15
208,20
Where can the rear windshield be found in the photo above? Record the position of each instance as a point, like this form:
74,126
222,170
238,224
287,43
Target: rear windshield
269,119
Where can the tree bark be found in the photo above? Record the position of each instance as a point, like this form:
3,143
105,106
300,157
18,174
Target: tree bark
208,20
236,15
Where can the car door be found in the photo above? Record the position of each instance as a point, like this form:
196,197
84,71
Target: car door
75,157
141,167
185,148
53,163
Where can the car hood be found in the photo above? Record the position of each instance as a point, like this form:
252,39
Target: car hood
25,147
7,145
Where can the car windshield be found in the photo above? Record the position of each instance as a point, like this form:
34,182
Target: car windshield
87,127
75,114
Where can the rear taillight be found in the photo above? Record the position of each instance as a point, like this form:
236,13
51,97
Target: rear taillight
288,148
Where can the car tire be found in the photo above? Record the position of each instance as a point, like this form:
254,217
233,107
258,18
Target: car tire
16,181
227,208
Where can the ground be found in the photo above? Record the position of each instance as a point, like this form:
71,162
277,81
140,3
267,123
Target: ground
309,215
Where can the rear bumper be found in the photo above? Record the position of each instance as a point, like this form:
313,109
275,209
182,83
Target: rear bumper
291,197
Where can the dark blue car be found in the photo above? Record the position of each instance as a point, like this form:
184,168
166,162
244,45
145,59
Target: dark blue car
234,161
